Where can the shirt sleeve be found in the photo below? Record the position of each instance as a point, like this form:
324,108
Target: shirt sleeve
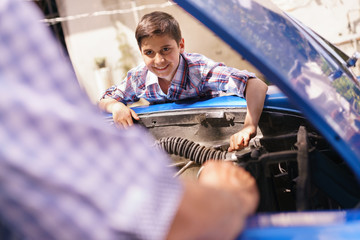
66,173
218,77
126,91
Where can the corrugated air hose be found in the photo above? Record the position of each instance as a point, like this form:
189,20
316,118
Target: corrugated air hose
190,150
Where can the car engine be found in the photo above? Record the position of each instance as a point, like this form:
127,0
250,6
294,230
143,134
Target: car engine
295,168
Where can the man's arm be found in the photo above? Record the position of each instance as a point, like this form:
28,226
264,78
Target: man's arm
65,168
255,96
217,206
122,115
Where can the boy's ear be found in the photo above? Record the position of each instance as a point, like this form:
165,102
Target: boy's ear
182,45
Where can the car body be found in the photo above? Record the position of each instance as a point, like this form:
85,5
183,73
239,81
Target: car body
306,155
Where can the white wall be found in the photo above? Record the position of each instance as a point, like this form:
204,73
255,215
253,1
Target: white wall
112,36
91,37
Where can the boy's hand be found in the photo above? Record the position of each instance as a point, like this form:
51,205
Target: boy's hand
122,115
242,138
255,96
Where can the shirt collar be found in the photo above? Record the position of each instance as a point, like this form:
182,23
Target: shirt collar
179,78
151,79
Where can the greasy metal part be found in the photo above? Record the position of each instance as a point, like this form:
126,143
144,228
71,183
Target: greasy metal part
183,169
178,164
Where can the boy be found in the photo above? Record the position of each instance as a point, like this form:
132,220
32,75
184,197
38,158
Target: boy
169,74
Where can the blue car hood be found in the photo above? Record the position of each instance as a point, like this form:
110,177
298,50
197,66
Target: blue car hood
310,73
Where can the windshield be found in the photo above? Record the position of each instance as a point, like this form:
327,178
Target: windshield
300,63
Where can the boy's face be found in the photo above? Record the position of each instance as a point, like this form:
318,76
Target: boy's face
161,55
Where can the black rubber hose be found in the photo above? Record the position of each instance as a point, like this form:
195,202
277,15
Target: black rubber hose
189,149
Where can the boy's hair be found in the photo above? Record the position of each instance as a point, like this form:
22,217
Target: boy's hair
157,23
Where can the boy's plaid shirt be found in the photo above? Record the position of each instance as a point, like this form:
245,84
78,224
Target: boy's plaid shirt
196,76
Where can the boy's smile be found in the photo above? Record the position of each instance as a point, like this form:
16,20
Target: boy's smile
161,55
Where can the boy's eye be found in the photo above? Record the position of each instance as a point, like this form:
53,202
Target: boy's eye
166,50
148,53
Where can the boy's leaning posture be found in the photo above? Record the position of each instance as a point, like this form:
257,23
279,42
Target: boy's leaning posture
170,74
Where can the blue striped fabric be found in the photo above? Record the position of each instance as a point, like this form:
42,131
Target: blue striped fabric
195,76
64,172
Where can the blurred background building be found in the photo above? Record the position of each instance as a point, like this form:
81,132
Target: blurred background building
98,35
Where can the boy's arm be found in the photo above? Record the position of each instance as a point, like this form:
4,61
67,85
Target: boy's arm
122,115
255,96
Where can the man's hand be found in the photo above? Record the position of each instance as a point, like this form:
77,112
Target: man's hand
242,138
226,176
215,207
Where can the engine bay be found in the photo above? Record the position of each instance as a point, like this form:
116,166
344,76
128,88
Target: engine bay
294,166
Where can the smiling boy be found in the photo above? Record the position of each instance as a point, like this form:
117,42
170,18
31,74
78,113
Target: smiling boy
170,74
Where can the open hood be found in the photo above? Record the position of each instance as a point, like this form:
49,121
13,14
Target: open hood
304,66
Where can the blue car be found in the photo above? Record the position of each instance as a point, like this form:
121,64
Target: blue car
306,156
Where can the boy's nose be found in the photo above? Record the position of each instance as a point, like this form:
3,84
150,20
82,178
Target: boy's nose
159,58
